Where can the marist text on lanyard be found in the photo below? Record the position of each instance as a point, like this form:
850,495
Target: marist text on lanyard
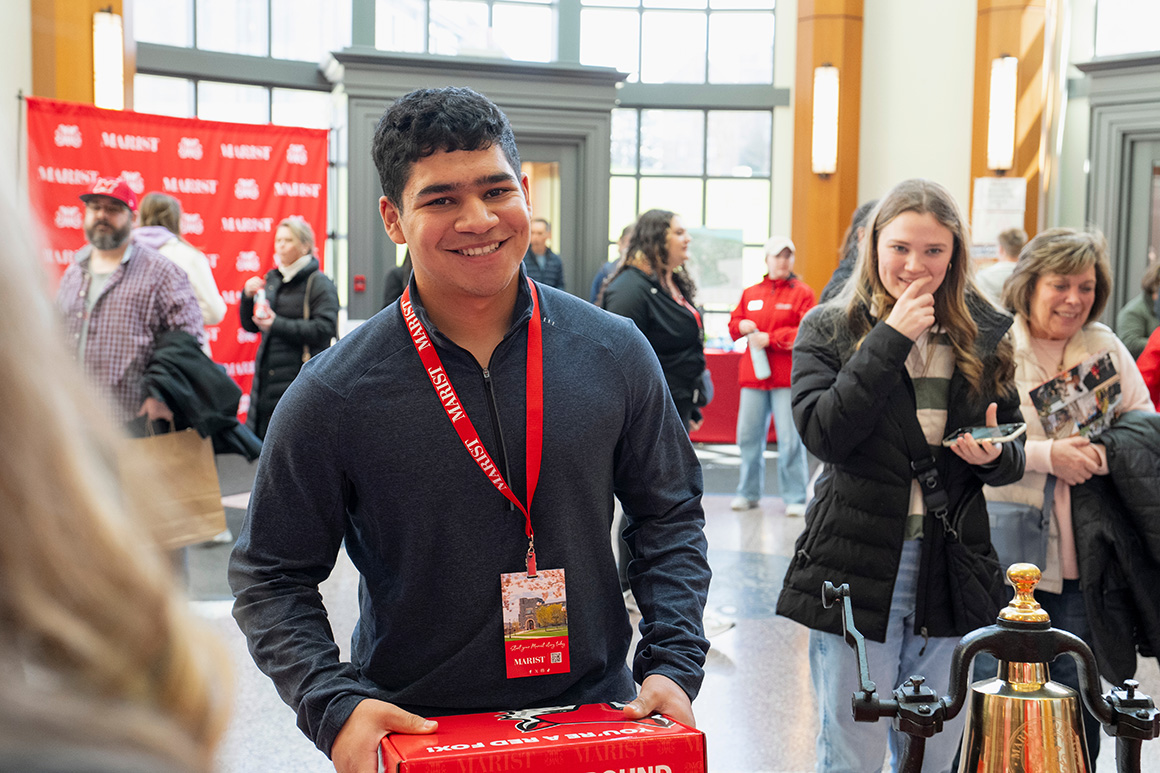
534,605
462,423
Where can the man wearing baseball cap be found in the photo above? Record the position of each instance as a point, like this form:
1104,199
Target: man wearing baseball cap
117,298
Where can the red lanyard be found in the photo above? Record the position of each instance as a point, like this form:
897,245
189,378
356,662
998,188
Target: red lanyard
458,416
692,310
681,300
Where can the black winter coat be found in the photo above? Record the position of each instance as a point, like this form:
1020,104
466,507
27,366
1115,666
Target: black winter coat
199,392
674,332
396,281
849,407
1116,520
279,355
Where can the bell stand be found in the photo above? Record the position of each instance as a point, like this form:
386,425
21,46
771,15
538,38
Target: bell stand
1021,637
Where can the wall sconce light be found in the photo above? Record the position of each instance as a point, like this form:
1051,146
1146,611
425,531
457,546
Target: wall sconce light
108,60
1001,114
825,129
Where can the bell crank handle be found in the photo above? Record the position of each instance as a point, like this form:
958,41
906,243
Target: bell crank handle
867,706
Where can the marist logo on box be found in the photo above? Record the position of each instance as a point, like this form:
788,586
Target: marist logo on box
67,136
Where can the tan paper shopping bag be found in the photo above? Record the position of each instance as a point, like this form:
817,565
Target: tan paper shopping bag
179,468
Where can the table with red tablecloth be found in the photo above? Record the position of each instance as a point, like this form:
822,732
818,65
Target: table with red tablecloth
721,415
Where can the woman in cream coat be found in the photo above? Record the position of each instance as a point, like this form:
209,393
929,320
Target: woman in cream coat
1058,290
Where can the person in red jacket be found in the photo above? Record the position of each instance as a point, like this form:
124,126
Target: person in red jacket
1149,365
768,315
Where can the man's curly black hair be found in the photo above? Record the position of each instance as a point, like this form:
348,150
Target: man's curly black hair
427,121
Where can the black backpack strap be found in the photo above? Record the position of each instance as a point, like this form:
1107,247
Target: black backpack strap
922,463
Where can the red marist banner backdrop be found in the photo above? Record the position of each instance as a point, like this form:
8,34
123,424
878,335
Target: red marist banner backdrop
235,182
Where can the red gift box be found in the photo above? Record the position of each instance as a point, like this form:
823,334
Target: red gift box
595,738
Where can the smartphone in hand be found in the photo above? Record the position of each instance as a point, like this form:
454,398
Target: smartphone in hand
1000,434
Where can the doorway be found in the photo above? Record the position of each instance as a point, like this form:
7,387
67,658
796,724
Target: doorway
556,195
1123,193
1140,237
544,195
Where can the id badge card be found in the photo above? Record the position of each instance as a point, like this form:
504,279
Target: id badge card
535,623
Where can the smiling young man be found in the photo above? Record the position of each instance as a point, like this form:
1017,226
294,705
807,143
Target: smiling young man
465,440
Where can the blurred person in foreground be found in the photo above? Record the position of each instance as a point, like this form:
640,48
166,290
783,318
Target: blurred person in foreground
103,668
420,441
118,298
298,319
159,227
768,315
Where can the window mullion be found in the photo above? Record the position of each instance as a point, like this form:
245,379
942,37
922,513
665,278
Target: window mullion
639,54
427,27
639,135
708,20
705,158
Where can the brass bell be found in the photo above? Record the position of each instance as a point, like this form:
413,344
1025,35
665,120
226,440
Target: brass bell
1020,721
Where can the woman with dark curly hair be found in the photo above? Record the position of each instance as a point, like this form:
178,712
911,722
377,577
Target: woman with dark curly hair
652,288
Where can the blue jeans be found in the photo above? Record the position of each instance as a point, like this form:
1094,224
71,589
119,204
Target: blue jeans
846,746
753,412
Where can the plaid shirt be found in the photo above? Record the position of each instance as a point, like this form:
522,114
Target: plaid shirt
146,296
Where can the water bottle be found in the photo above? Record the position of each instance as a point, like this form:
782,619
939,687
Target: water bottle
261,305
760,361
